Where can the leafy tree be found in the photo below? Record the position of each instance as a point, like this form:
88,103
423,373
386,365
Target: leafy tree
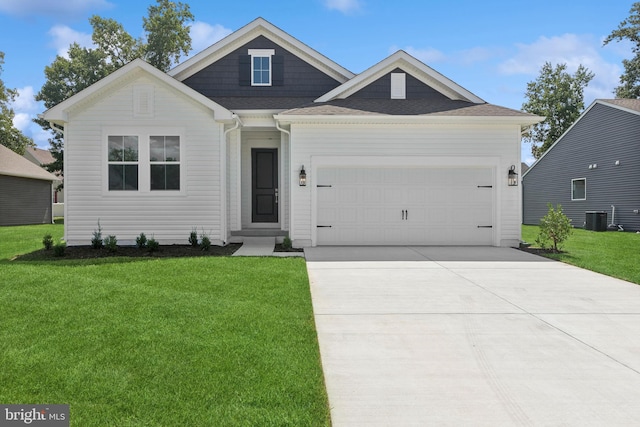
555,228
167,35
629,29
10,137
559,97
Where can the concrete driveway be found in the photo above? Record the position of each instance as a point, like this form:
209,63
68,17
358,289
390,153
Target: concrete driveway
429,336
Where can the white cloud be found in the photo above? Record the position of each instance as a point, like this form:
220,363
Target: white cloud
204,35
21,121
26,109
573,50
64,36
58,9
344,6
25,100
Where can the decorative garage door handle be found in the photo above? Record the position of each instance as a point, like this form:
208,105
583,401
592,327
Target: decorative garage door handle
405,214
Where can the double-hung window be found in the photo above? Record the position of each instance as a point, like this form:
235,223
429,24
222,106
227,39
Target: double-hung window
164,157
261,68
579,189
123,163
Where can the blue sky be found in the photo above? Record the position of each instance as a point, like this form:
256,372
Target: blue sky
490,47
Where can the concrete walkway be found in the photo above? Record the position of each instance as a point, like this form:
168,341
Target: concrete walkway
473,336
262,246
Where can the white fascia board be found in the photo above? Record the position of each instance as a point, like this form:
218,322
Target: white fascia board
414,119
245,34
416,68
58,114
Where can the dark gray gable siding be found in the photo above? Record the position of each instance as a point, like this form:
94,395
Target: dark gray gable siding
381,89
603,136
24,201
299,78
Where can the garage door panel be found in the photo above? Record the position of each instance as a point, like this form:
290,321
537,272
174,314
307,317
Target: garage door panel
417,206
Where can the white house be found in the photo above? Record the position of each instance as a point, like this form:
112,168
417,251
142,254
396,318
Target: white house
261,135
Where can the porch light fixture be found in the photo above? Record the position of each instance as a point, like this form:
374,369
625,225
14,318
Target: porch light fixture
303,177
512,177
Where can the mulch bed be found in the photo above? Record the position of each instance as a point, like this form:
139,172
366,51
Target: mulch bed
279,248
166,251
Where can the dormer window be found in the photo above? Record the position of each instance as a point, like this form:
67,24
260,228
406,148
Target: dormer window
261,66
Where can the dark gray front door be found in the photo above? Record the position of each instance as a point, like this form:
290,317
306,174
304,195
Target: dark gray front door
264,185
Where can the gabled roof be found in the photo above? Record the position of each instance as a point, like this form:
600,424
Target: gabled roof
13,164
42,157
628,105
259,27
410,65
59,113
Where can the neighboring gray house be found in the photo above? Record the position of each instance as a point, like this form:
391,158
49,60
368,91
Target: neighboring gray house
42,158
25,191
594,166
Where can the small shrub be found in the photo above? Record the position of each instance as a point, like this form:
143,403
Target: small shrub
96,241
141,241
59,249
111,243
47,241
205,243
153,245
555,228
286,243
193,238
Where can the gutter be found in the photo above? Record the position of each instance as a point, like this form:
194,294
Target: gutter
223,178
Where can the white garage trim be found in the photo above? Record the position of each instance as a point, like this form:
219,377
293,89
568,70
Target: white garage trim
322,162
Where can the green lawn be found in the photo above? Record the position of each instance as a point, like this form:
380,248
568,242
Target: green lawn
612,253
159,342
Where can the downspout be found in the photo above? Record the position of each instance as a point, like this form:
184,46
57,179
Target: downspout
290,197
223,179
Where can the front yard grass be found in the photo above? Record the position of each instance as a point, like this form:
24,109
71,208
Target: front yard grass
159,342
609,252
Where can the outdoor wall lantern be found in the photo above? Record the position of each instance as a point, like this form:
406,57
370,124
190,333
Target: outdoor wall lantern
512,177
303,177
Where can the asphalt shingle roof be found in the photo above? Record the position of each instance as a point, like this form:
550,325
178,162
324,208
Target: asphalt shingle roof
13,164
404,107
632,104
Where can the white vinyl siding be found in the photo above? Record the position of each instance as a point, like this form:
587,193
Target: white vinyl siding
168,216
469,145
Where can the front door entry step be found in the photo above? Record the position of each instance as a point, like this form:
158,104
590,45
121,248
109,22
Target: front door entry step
260,232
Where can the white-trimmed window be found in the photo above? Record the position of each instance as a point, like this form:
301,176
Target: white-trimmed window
123,163
261,69
579,189
164,158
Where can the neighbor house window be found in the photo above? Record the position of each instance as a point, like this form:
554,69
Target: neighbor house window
123,163
261,66
164,157
579,189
